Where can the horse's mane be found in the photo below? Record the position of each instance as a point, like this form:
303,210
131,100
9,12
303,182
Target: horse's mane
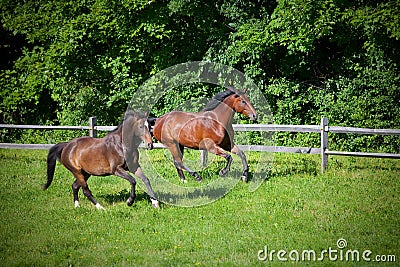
116,128
220,97
127,115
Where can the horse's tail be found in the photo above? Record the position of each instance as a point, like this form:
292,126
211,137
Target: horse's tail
52,157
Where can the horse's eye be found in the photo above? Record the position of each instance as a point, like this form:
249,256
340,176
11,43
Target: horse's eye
243,102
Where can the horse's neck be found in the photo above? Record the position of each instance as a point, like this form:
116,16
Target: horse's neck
126,146
224,113
116,136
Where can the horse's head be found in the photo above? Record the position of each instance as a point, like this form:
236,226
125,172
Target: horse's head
137,127
143,131
241,104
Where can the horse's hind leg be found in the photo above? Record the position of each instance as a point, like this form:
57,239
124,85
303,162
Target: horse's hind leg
81,181
120,172
177,154
75,190
179,166
179,163
88,194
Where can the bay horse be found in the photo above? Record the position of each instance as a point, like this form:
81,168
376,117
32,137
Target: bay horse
210,129
86,156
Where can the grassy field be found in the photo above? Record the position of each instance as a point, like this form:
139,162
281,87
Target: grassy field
297,209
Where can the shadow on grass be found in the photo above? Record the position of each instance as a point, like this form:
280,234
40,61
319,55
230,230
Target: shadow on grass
284,166
123,195
358,163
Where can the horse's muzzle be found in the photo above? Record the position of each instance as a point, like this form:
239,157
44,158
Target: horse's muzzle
253,117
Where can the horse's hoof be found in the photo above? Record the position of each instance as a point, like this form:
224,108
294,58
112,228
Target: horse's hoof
154,203
184,181
199,179
244,178
130,201
100,207
223,172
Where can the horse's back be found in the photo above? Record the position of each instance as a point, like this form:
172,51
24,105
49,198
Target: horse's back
77,148
165,125
189,129
90,155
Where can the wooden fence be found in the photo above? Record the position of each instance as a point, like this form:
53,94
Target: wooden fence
323,129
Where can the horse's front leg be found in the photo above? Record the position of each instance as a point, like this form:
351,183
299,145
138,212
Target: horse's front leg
235,150
217,150
139,173
228,158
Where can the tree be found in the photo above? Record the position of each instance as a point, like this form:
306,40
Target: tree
311,58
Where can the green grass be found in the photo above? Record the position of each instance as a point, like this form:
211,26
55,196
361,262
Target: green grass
296,209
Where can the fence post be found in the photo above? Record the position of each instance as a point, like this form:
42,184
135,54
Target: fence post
203,157
92,127
324,143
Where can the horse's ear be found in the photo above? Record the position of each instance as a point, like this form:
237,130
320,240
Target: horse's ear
146,114
244,90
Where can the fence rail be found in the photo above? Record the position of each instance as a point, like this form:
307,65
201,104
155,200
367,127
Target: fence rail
324,129
43,127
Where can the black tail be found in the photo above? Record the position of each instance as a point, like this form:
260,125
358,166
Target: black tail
151,122
52,157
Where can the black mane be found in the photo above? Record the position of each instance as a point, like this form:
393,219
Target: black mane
116,128
218,98
127,114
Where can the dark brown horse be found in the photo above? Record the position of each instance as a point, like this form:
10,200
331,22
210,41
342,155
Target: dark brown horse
86,156
210,129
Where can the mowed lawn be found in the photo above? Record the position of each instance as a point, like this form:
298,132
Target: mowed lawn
357,201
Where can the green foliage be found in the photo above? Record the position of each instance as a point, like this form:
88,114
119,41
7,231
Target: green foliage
311,58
